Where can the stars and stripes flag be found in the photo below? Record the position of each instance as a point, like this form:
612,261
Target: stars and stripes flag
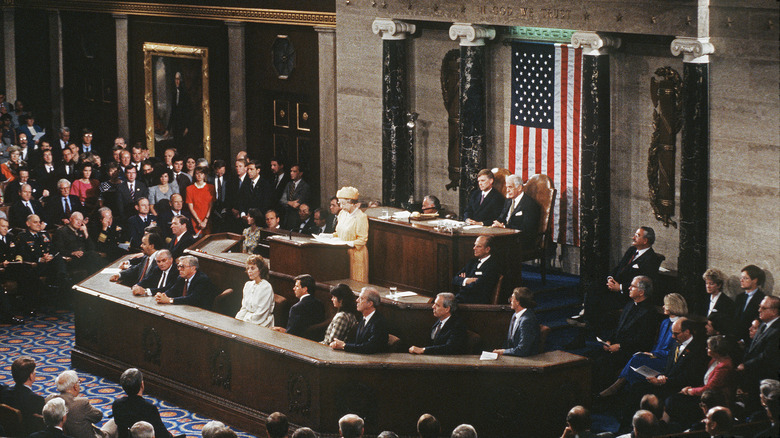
544,131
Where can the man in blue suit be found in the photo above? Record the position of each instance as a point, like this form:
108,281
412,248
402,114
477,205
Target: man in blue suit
21,396
484,203
448,335
307,312
193,287
372,332
523,337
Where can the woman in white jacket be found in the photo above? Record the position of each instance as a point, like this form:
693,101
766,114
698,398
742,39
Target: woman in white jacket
257,306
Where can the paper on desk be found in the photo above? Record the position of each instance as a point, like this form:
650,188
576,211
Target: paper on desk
328,239
110,271
488,355
471,227
405,294
401,215
646,371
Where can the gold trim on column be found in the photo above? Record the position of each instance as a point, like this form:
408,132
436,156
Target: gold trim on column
176,51
257,15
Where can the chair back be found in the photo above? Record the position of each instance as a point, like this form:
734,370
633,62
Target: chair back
541,189
11,420
221,303
473,342
544,331
499,180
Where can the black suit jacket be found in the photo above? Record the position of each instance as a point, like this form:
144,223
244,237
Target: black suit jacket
55,212
11,193
304,314
49,432
451,338
488,210
260,196
132,409
68,172
135,228
133,274
647,264
762,358
28,402
478,292
278,189
177,248
200,292
126,203
371,337
17,214
524,218
153,279
46,180
636,328
689,368
308,227
743,317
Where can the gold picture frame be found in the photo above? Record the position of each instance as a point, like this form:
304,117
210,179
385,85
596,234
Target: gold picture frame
186,102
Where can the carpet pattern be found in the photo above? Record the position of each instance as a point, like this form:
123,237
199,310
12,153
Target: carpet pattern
49,339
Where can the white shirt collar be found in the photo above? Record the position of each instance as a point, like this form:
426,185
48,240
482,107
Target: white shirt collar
367,318
444,321
639,252
772,322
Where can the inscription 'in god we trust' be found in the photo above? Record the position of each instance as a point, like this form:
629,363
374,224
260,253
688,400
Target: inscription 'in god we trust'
513,11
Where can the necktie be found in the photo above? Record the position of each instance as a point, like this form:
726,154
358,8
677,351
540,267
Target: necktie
747,301
66,206
184,290
146,266
436,329
132,191
677,352
219,189
29,207
481,198
162,280
759,332
360,328
512,326
633,257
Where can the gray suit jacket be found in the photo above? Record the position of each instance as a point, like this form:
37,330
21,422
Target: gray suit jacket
81,417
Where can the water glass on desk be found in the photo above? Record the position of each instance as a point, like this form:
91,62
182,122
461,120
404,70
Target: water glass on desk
393,293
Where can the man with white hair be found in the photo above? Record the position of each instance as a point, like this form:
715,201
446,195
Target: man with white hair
82,416
54,415
372,332
73,241
351,426
464,431
211,428
141,429
520,212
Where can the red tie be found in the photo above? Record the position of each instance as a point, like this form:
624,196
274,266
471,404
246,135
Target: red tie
184,291
633,257
146,265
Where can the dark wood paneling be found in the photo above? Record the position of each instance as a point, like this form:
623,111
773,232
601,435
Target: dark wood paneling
201,33
32,64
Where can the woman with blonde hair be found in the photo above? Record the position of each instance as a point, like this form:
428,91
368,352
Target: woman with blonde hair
257,306
716,300
675,307
352,227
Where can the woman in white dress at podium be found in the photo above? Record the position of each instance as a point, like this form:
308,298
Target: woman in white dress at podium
257,306
352,227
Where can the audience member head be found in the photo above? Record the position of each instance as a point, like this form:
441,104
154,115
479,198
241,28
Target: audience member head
34,223
333,206
151,242
211,428
711,398
464,431
720,346
320,217
351,426
276,424
188,266
751,278
255,217
717,323
252,169
164,259
522,298
769,308
179,225
271,219
63,186
651,402
142,429
578,420
483,246
343,298
645,424
258,262
675,305
770,398
485,180
304,211
718,421
683,329
225,432
4,226
67,381
444,305
54,412
240,166
199,175
178,163
753,329
714,280
431,204
304,284
296,172
641,288
428,426
649,235
368,300
514,186
304,432
132,381
387,434
23,370
277,166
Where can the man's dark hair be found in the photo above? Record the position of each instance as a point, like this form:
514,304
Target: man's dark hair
711,398
279,160
428,426
86,131
276,424
755,273
649,235
218,164
22,368
177,158
304,432
156,240
131,381
307,281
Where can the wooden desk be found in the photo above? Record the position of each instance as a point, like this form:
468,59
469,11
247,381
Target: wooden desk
415,256
239,373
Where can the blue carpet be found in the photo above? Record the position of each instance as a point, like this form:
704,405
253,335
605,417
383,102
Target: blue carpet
49,339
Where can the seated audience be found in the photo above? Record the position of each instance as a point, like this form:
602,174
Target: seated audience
106,235
141,429
73,241
59,207
719,422
709,399
160,279
307,312
675,307
770,400
524,333
428,426
12,189
87,188
137,269
251,234
54,416
136,224
320,217
477,280
448,335
305,221
485,203
21,396
277,425
23,207
578,425
193,287
128,194
431,205
346,314
351,426
746,303
272,220
82,416
257,306
133,407
762,357
521,212
34,246
644,425
372,335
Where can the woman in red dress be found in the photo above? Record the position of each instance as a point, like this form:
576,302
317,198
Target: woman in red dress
200,200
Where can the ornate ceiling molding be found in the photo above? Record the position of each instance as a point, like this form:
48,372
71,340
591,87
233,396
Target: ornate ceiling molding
252,15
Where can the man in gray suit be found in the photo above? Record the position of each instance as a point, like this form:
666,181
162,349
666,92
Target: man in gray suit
523,337
82,416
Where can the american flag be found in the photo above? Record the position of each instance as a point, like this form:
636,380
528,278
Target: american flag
544,131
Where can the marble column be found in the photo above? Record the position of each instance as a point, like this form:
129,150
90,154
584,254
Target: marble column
237,83
473,85
326,39
694,167
57,81
9,53
122,80
594,164
394,100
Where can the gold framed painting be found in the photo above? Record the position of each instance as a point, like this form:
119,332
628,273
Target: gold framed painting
176,98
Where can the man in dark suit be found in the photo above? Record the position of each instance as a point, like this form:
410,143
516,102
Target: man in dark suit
193,287
137,223
181,178
106,235
259,190
335,208
160,279
128,193
448,335
46,174
11,193
524,335
306,223
54,415
221,181
66,169
165,215
746,303
320,219
485,203
477,281
23,207
279,178
59,208
639,259
372,334
181,238
34,247
133,408
72,241
520,212
762,357
238,191
138,268
307,312
21,396
296,192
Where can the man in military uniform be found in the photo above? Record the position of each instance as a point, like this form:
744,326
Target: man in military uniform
7,255
34,247
72,241
106,235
